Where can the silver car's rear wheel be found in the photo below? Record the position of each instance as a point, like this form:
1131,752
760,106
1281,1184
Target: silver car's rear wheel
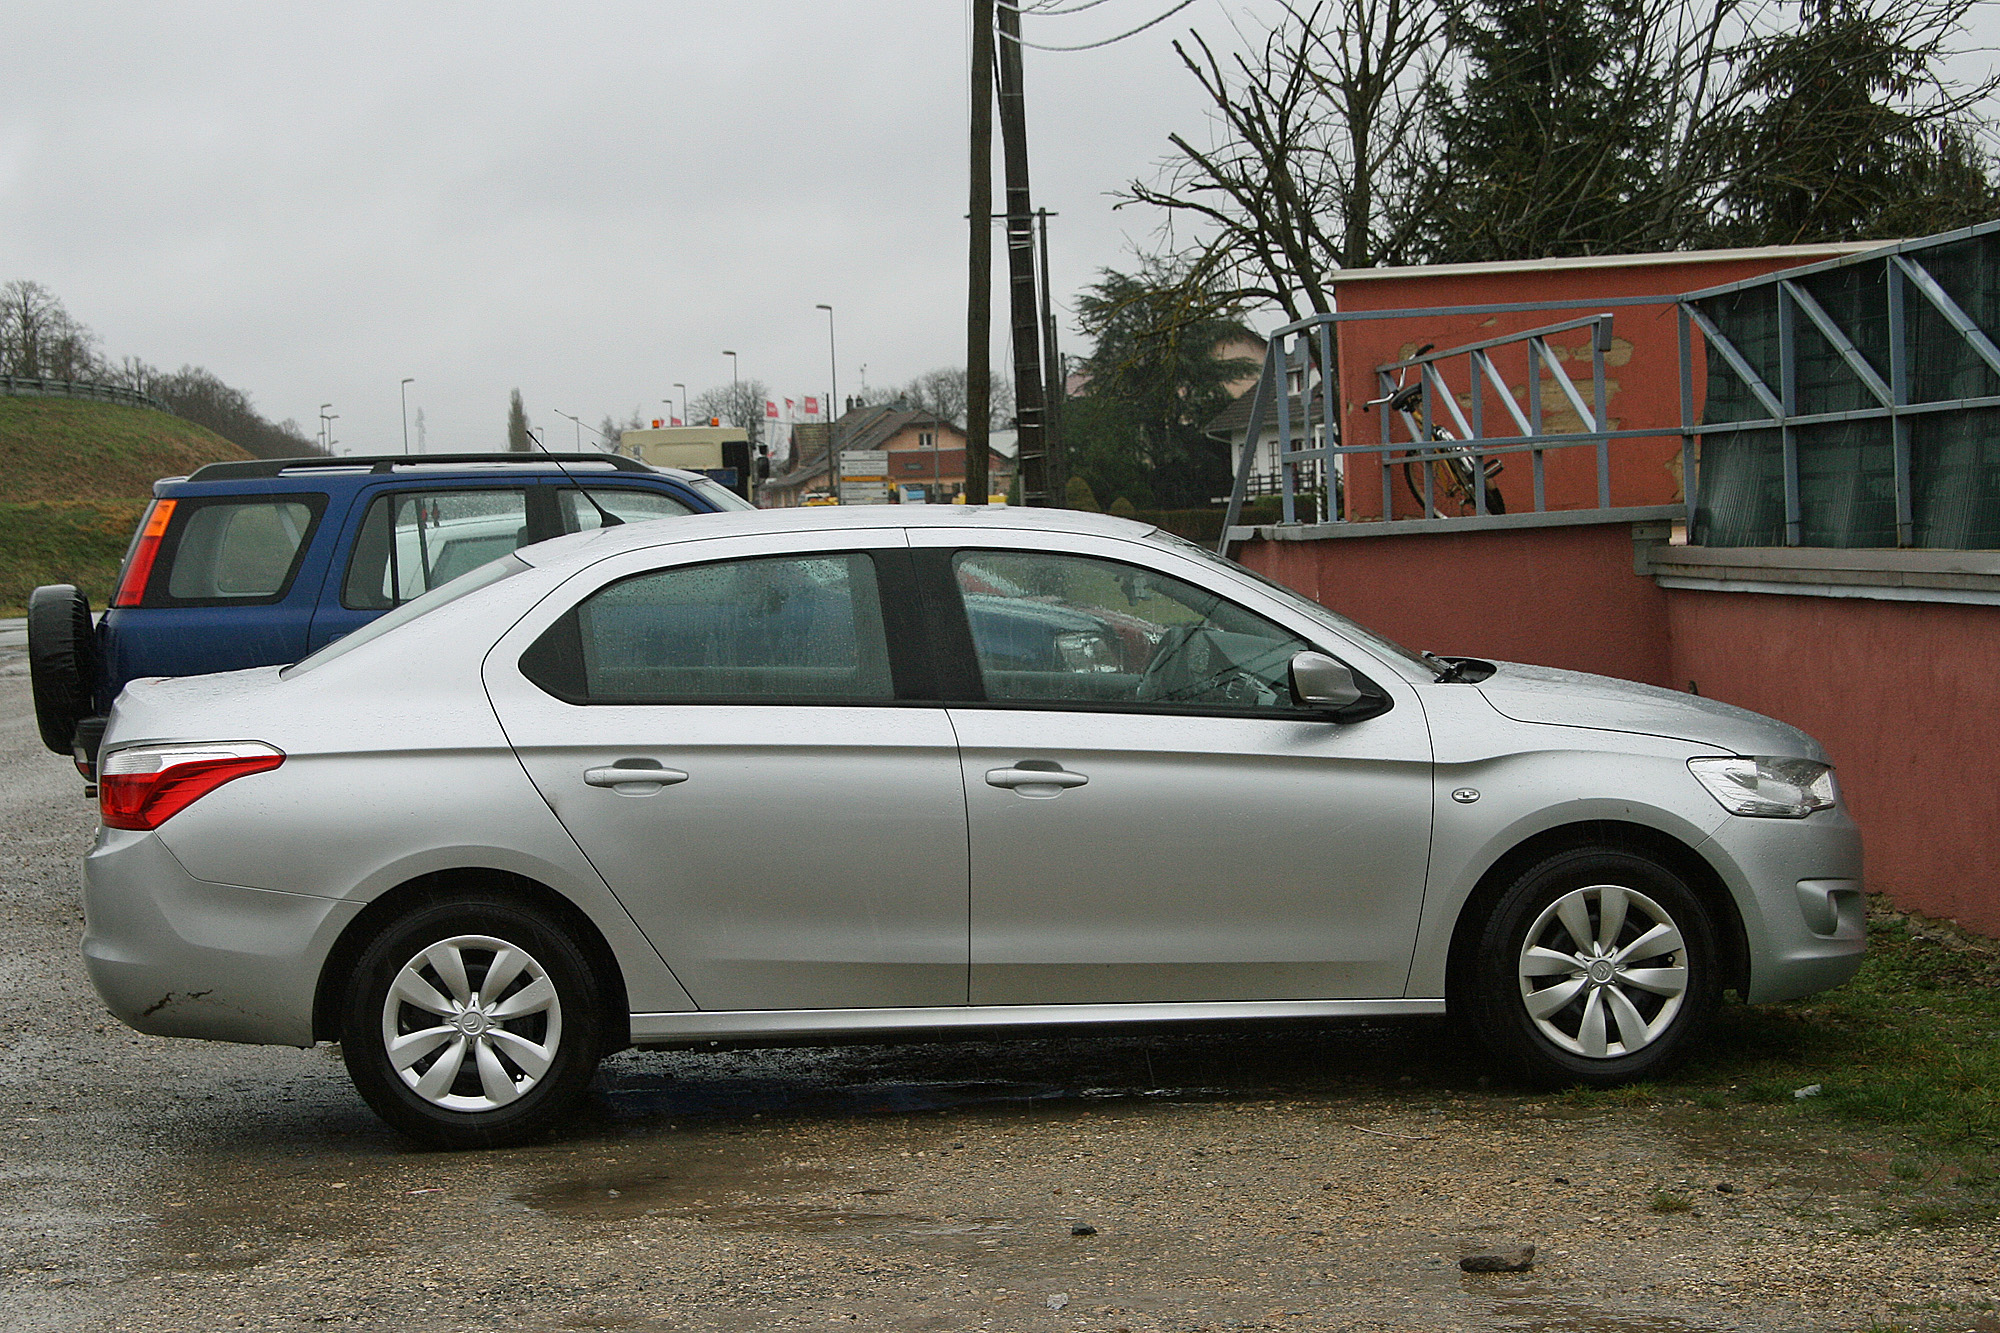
1598,966
472,1023
1603,971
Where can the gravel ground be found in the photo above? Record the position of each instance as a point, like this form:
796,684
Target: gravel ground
1277,1178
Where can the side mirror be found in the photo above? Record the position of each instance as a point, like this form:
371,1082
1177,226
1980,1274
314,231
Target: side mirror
1319,681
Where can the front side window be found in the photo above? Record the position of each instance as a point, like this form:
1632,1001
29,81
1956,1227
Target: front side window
777,629
1071,630
413,541
240,550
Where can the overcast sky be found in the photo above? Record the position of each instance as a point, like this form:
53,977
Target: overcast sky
587,201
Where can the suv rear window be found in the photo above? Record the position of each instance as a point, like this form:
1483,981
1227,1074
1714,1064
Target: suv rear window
236,551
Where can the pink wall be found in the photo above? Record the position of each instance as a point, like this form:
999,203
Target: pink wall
1900,693
1557,596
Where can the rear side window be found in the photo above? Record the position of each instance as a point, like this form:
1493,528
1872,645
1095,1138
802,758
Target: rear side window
224,552
778,629
413,541
632,506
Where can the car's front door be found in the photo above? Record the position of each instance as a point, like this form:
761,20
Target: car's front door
731,744
1151,817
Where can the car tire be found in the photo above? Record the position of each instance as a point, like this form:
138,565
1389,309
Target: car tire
452,1065
62,662
1598,966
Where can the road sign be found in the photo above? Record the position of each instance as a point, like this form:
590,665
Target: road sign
865,464
864,492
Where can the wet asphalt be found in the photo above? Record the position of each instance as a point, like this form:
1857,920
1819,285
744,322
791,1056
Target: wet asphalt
1282,1178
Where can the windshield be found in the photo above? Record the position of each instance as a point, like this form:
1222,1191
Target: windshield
1305,605
472,581
721,496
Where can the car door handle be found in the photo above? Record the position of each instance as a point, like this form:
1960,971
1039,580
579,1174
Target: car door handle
619,778
1034,781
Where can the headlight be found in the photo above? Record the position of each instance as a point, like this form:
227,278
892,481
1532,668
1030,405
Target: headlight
1768,786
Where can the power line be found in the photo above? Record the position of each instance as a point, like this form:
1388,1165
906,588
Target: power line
1040,8
1092,46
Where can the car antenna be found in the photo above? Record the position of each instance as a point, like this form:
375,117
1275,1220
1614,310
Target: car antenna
605,518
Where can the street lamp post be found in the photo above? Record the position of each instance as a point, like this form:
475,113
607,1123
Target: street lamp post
689,420
832,397
324,433
668,403
734,406
331,417
405,389
579,426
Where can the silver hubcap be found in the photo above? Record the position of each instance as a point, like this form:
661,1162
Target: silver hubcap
472,1023
1603,971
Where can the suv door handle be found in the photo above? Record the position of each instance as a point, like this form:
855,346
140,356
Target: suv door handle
633,779
1034,781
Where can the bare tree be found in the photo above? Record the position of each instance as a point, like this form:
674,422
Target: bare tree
1321,163
941,392
38,339
738,404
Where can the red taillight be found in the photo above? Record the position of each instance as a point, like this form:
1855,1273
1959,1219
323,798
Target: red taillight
139,565
145,786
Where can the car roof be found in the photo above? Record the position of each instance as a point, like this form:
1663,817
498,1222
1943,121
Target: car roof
597,543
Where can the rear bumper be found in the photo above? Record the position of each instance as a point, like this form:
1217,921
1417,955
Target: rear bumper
176,956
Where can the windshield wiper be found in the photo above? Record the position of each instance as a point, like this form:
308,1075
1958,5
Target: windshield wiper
1449,672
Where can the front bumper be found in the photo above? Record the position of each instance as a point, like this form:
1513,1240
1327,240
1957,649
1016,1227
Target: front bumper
176,956
1798,886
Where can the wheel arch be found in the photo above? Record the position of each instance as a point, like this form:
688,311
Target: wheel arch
471,882
1669,851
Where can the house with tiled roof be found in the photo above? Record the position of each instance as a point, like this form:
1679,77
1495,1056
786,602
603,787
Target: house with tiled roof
926,455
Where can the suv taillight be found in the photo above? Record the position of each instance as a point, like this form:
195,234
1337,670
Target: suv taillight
146,549
145,786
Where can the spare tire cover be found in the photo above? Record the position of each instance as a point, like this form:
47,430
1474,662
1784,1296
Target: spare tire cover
62,661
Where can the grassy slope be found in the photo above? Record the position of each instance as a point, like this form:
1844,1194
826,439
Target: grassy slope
74,477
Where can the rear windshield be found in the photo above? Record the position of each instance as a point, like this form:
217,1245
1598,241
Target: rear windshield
487,574
234,552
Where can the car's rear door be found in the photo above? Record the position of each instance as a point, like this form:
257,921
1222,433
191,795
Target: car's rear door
727,732
1151,819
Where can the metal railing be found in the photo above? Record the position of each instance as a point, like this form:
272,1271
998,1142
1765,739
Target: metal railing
26,386
1306,348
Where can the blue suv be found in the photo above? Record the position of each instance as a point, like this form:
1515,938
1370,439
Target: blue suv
258,563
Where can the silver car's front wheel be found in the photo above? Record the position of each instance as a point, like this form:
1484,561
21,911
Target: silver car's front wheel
1598,965
472,1023
1603,971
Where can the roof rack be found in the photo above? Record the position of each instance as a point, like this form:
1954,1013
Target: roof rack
277,467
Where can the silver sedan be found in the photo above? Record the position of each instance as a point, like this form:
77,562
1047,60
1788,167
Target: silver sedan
847,772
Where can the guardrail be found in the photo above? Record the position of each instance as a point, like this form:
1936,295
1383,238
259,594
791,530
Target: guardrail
23,386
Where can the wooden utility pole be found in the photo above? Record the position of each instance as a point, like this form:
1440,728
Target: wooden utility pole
1052,369
979,285
1022,305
